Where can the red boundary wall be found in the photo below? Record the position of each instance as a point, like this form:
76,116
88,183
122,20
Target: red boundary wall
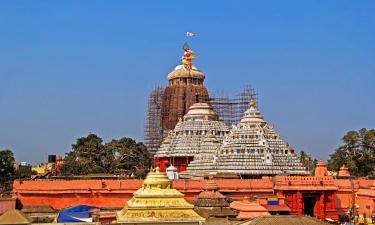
333,196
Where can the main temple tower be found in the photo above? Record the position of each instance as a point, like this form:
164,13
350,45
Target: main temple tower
185,87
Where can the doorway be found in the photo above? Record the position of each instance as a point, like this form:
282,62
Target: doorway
308,206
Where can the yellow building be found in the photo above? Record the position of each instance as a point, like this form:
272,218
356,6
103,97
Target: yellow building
156,202
40,169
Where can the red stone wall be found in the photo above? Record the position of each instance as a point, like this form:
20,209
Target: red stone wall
180,163
115,193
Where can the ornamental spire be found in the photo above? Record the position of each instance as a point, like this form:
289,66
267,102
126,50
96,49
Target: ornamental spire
252,103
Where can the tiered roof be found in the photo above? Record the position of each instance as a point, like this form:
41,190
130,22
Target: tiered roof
186,139
254,148
248,209
211,203
156,202
250,148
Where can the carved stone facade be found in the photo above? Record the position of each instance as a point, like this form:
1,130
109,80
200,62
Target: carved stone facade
199,134
184,89
254,148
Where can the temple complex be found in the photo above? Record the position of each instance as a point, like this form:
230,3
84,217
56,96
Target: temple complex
247,159
156,202
199,131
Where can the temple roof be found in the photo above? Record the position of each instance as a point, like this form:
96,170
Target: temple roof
252,115
15,217
199,123
157,202
344,171
201,111
253,147
321,169
210,191
248,209
181,72
247,206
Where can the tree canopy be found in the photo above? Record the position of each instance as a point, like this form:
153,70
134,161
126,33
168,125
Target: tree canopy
307,161
89,155
7,170
357,152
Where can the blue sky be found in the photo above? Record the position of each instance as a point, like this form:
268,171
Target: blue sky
68,68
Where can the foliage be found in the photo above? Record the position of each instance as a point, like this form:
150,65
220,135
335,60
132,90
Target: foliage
7,170
128,155
357,153
307,161
89,155
23,172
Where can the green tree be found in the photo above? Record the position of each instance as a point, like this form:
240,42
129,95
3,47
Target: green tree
307,161
24,172
90,155
7,171
357,152
129,156
87,156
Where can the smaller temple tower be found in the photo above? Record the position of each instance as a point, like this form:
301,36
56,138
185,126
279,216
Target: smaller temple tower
253,148
156,202
199,128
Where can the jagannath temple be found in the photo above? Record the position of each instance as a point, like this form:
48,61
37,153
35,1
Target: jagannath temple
167,105
201,144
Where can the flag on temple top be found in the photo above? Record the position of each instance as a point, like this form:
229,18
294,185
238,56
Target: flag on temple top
190,34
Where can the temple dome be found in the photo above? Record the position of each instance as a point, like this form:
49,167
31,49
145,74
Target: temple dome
252,115
156,179
321,169
156,202
201,111
344,171
181,72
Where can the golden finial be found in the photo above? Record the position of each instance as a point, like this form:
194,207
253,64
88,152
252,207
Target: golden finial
252,103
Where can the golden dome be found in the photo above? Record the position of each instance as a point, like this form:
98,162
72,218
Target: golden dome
156,179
